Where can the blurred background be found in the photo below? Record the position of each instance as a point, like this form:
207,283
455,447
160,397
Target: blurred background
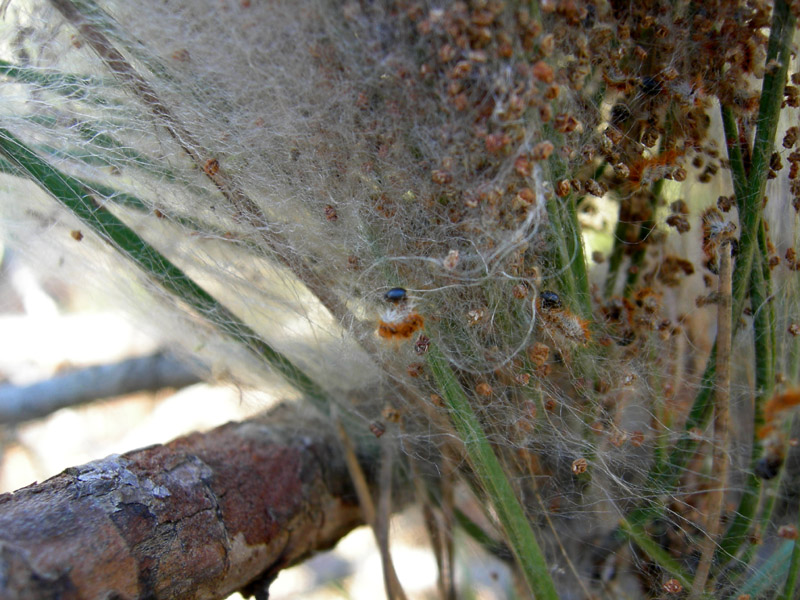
51,329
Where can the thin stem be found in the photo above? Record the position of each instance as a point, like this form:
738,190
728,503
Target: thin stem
665,475
661,557
615,258
568,257
789,588
733,142
764,350
77,200
577,258
246,209
72,86
645,230
493,547
376,519
560,253
793,367
719,457
749,198
570,564
494,481
749,189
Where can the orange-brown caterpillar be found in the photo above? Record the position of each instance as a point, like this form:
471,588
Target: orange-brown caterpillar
400,327
775,405
211,167
559,320
653,167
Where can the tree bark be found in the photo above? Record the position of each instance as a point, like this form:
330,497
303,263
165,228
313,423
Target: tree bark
200,517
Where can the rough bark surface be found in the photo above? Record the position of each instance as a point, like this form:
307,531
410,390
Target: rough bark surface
200,517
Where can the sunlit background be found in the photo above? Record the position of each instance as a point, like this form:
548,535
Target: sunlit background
50,327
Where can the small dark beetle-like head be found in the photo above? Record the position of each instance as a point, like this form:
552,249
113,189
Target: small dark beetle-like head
549,300
395,295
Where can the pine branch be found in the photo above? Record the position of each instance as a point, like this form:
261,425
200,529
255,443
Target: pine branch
140,374
200,517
